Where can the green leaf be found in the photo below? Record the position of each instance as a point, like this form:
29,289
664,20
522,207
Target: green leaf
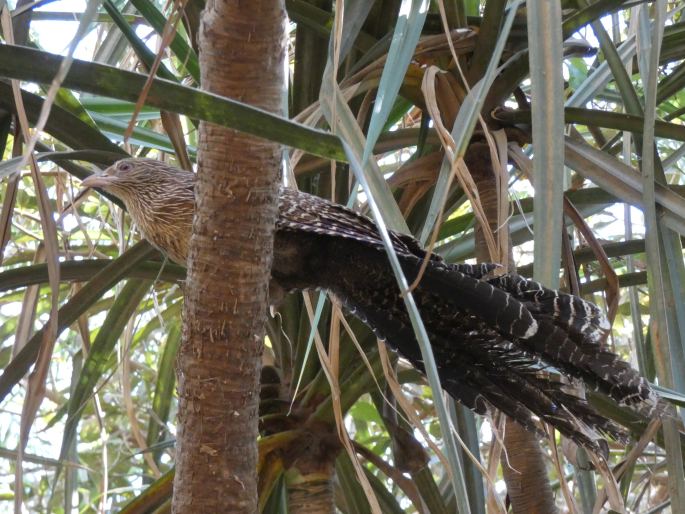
102,282
164,389
406,35
185,54
34,66
547,97
83,271
98,362
142,51
61,124
465,123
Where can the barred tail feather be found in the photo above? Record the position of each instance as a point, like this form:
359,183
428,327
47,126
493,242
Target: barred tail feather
583,320
571,335
498,308
488,372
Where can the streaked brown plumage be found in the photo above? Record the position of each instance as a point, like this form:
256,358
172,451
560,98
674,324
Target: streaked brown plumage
159,199
504,341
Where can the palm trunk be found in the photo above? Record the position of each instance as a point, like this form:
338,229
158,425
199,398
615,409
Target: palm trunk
242,48
523,464
310,476
311,494
525,474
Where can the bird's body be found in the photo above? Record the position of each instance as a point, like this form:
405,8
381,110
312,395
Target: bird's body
503,341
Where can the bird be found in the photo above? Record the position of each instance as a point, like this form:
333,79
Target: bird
500,340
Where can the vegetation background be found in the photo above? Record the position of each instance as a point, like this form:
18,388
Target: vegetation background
434,102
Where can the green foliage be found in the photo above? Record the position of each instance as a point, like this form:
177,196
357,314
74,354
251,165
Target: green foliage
120,304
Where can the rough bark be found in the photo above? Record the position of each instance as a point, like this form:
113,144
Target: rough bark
311,494
523,464
525,473
242,48
311,469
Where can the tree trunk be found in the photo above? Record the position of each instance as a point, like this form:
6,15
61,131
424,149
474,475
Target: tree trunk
523,464
310,463
311,494
242,51
524,471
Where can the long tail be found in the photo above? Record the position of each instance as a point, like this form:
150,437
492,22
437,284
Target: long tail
477,364
505,342
487,371
566,331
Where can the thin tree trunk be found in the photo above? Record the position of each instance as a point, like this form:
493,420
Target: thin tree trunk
311,494
242,51
523,464
525,474
311,473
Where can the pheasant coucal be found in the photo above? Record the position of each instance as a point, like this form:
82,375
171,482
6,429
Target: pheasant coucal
504,341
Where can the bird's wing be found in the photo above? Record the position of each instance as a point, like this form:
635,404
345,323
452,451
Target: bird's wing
304,212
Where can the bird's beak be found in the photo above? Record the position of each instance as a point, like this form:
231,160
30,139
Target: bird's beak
97,180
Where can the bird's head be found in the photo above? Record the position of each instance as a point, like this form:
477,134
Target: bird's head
127,175
160,198
115,177
133,179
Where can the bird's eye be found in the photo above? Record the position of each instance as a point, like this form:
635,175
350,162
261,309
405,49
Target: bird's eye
125,166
